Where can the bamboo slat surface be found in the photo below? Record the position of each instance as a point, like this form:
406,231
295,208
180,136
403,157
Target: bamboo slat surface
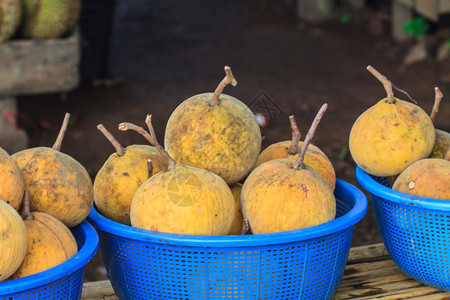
370,274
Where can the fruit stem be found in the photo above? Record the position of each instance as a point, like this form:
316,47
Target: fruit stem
228,79
26,213
148,121
386,83
437,102
129,126
298,165
57,145
296,136
119,148
245,227
149,168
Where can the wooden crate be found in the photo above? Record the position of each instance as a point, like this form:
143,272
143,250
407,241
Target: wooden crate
39,66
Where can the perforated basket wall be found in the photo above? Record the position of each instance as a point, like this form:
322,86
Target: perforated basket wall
63,282
415,231
300,264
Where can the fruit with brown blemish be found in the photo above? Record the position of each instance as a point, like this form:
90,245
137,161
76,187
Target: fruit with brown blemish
12,185
215,132
13,240
181,199
59,185
442,141
49,242
286,194
314,157
390,135
429,177
121,175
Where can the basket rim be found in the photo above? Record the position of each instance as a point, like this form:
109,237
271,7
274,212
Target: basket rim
377,189
343,189
79,260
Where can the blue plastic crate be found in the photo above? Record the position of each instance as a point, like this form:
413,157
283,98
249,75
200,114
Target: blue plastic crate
300,264
415,231
62,282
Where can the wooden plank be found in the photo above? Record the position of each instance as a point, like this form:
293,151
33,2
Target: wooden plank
96,290
400,14
407,3
444,6
367,253
315,10
428,8
39,66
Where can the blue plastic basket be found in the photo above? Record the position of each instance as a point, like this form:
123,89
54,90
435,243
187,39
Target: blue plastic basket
64,281
300,264
415,231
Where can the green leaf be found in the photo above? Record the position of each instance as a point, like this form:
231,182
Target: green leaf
416,27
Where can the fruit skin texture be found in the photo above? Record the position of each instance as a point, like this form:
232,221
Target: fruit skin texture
184,200
387,138
44,19
426,178
441,144
10,17
276,197
314,157
238,219
224,139
58,184
12,185
119,178
13,240
49,243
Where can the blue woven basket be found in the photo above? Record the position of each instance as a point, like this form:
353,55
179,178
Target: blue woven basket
300,264
64,281
415,231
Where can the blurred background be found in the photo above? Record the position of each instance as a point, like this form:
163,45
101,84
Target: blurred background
125,59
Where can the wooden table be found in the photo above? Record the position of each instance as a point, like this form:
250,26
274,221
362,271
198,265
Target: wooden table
370,274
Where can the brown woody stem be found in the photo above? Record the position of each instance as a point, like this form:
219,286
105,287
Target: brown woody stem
26,212
296,136
228,79
437,102
119,148
298,165
245,227
148,121
150,168
386,83
62,132
129,126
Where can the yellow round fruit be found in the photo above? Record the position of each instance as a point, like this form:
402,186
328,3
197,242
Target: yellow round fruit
13,240
12,185
215,132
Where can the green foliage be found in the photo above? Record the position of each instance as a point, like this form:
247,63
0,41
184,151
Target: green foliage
346,18
416,27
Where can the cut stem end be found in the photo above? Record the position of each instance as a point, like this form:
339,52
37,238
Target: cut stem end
228,79
296,136
298,165
57,145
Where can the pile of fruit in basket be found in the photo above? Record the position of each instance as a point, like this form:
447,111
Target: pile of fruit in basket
45,192
211,174
397,139
44,19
